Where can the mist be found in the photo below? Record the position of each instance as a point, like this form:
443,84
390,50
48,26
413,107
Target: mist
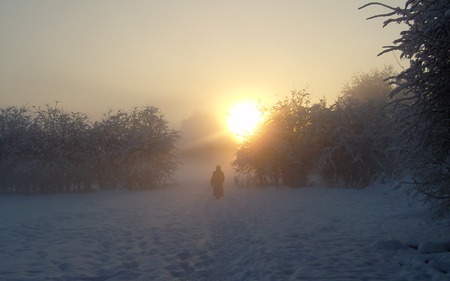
205,143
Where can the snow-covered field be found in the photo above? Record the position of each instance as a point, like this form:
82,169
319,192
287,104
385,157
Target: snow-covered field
182,233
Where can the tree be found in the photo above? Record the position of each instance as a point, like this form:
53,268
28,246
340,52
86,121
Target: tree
368,86
283,149
344,143
422,94
15,145
135,149
359,130
50,150
358,133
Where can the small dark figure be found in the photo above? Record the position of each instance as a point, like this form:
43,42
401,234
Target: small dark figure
217,180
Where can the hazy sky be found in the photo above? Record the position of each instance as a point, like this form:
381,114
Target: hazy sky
185,55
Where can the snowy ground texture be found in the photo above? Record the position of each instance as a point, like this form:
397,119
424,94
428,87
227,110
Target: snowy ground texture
182,233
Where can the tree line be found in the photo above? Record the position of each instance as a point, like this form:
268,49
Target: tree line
402,130
46,150
343,144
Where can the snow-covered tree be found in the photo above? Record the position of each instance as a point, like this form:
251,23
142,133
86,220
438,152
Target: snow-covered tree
50,150
15,145
368,86
359,130
344,143
136,149
59,142
422,93
40,149
283,148
357,133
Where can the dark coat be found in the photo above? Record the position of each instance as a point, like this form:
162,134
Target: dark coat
217,180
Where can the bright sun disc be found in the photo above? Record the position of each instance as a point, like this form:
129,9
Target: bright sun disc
243,119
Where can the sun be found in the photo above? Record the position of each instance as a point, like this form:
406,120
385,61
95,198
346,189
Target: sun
243,118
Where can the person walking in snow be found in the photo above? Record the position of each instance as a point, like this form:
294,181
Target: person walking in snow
217,180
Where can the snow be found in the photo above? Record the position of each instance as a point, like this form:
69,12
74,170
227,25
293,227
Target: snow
183,233
431,247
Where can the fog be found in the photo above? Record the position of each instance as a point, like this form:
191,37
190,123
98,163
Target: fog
181,56
205,143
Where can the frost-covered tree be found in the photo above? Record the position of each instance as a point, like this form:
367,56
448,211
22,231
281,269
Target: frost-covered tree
50,150
15,145
136,149
283,148
359,130
40,149
345,144
369,86
60,148
358,133
422,94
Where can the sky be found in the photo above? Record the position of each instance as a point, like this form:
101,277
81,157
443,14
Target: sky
183,56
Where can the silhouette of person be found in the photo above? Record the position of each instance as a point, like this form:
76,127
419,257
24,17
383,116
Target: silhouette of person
217,180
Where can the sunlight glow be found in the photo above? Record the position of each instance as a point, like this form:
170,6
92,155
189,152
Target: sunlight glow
243,118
